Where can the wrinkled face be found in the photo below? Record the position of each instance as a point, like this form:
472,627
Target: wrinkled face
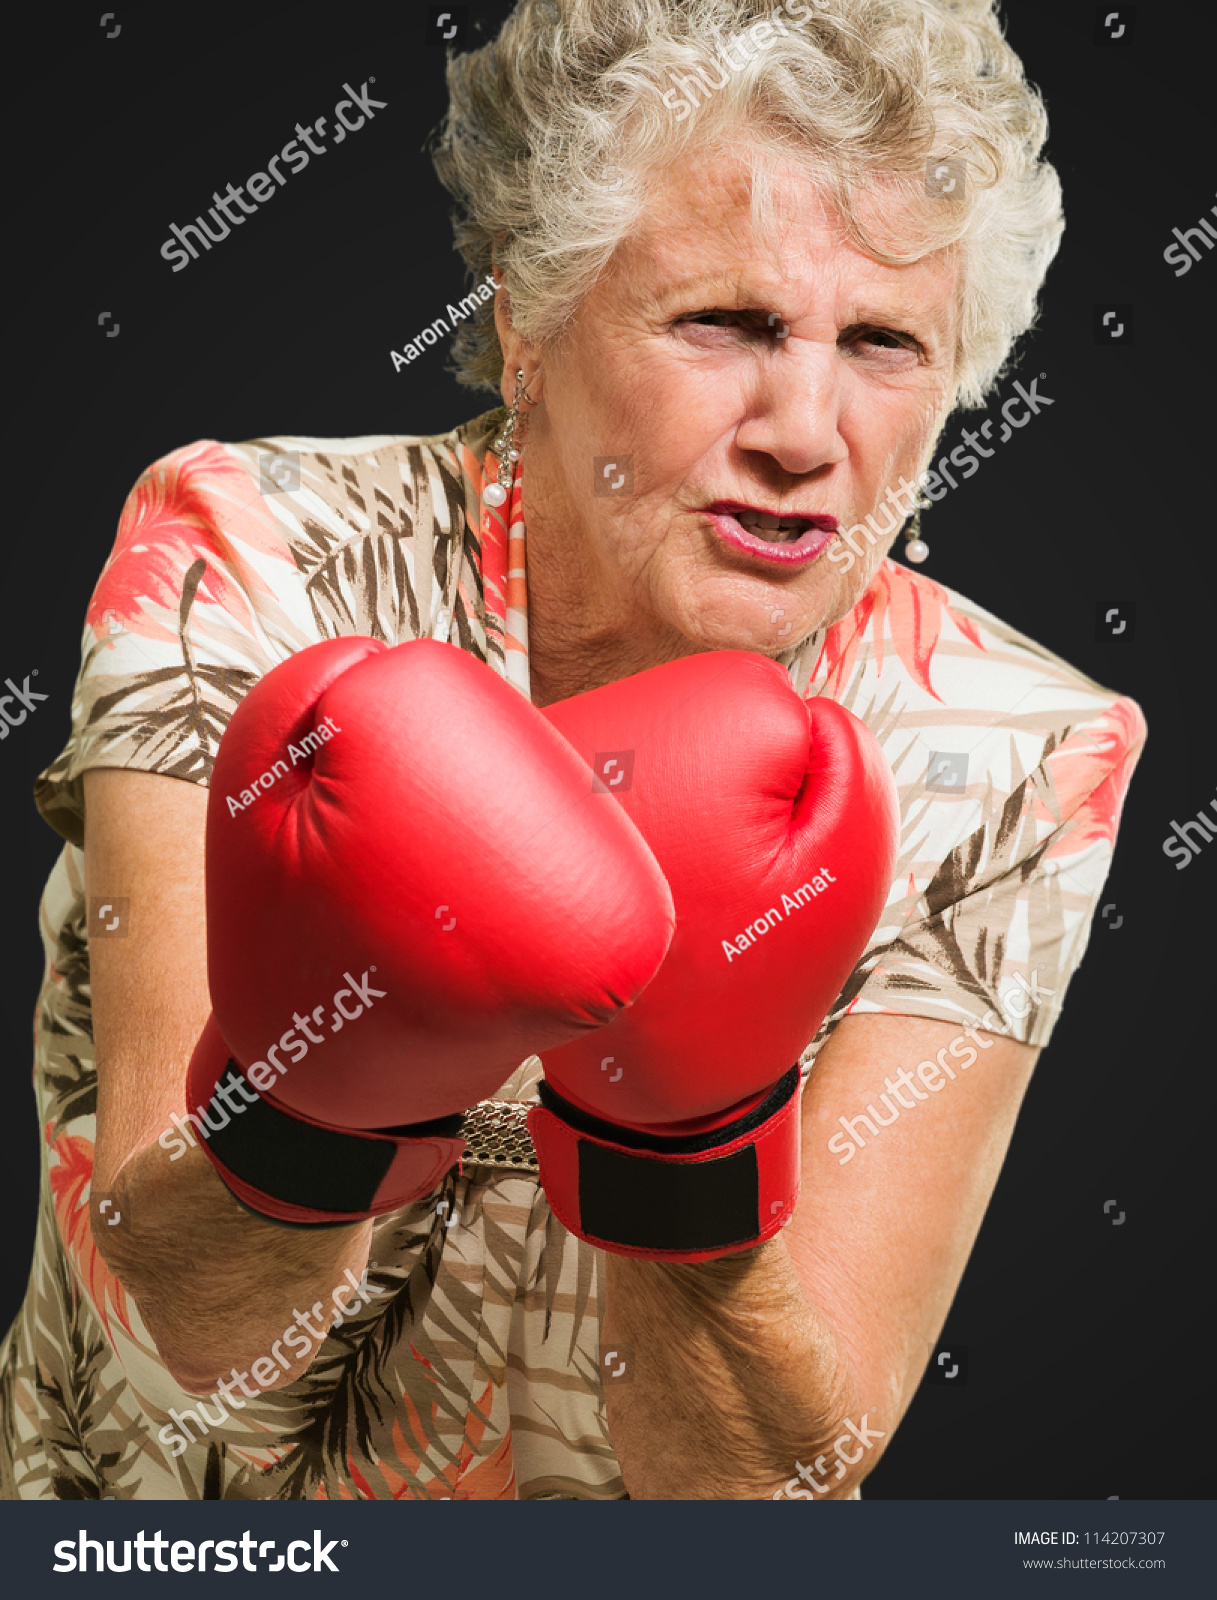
748,393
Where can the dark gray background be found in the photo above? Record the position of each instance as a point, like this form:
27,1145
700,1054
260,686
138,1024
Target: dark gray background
1088,1361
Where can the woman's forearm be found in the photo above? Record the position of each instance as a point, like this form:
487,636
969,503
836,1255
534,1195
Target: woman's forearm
733,1380
215,1286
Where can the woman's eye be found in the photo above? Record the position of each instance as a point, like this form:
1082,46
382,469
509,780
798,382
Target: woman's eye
751,322
882,338
719,317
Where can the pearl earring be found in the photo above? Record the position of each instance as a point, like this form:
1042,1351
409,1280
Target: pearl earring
916,548
505,447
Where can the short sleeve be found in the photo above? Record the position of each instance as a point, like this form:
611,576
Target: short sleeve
231,557
199,597
995,936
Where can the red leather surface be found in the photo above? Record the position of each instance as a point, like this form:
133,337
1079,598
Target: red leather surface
444,840
417,1167
745,793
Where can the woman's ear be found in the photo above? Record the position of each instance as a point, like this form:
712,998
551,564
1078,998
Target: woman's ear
517,352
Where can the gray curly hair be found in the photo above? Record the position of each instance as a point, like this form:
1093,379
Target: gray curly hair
553,126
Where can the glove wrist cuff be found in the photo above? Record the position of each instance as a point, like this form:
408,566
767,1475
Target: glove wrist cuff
687,1198
290,1170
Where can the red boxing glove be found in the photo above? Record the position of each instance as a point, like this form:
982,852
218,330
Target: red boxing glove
673,1133
410,889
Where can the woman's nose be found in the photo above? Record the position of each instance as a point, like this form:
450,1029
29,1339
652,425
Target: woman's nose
794,408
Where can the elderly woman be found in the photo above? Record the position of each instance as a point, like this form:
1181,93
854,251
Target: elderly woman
748,260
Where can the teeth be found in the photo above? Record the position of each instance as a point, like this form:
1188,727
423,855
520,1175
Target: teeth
772,529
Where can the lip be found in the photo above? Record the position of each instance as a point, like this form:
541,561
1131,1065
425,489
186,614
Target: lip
797,553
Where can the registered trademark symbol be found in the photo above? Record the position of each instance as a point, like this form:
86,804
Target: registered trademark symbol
344,1543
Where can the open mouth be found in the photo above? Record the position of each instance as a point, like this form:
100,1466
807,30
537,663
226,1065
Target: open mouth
787,538
772,529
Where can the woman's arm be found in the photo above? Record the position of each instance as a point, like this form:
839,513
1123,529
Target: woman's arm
216,1287
806,1351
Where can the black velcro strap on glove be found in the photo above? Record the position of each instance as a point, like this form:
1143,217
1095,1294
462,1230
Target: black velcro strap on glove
327,1170
649,1194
